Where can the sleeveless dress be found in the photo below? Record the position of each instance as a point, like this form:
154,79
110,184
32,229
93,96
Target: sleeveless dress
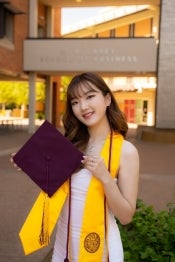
79,187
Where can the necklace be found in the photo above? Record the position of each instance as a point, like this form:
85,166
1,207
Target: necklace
94,148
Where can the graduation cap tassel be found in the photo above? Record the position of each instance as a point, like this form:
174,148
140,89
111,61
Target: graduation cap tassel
44,238
44,235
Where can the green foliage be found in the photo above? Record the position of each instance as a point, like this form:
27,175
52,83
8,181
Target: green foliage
40,92
16,93
40,116
150,236
65,80
10,106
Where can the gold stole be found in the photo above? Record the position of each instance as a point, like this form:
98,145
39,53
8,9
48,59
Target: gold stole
93,230
31,229
92,238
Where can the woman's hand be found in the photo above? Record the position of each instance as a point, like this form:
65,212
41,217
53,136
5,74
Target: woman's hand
97,167
13,162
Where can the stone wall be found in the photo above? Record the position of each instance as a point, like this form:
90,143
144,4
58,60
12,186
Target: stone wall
165,109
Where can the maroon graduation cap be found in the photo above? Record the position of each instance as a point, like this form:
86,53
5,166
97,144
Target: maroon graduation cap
48,158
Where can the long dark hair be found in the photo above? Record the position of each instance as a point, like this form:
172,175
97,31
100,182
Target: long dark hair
76,131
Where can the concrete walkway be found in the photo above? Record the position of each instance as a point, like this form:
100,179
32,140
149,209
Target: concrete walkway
17,193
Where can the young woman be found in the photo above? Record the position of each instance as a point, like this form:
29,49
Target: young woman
106,185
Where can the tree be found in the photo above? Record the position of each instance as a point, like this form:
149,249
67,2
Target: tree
17,93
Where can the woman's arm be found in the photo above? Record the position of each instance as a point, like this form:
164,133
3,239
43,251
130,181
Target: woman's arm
122,196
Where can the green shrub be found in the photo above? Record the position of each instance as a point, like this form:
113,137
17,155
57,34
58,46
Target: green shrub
150,236
40,116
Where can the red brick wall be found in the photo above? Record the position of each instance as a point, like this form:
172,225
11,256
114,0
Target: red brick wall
57,22
11,59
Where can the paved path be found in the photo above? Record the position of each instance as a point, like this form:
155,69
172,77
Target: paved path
17,192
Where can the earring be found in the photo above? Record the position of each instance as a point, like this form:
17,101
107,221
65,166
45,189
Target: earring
108,107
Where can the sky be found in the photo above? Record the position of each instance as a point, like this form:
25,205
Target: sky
73,15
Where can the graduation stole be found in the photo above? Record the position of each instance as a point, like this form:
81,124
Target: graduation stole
92,237
93,232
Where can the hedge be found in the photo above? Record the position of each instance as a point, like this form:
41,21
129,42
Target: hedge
150,236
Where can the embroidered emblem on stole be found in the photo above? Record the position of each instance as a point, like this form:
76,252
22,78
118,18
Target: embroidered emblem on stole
92,242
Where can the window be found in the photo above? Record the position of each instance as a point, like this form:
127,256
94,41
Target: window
112,32
131,30
9,24
2,22
6,23
41,31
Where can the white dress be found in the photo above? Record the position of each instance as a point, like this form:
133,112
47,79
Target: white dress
79,186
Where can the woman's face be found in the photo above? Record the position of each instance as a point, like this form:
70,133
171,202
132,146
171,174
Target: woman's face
89,106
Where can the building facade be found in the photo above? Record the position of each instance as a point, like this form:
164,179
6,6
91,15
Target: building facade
13,31
133,52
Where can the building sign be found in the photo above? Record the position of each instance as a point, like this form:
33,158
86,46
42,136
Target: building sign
102,55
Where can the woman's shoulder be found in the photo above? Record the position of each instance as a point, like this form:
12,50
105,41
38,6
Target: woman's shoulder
128,148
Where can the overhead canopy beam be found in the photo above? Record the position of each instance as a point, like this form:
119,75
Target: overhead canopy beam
96,3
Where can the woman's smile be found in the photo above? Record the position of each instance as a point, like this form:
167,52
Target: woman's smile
88,115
